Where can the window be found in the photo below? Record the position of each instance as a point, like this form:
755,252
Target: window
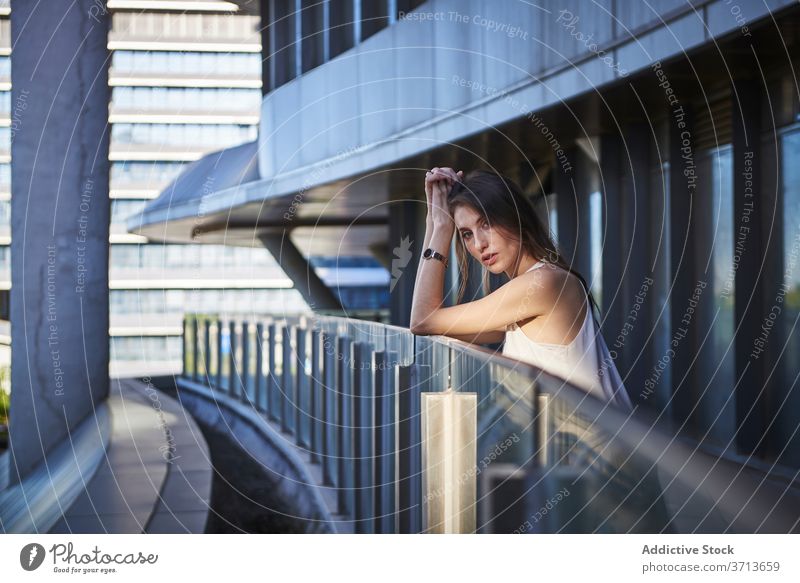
715,365
785,303
122,209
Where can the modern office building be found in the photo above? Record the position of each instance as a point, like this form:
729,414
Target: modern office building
184,82
657,139
660,140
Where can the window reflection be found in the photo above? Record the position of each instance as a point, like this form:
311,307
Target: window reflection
187,63
185,99
146,349
716,363
125,173
178,301
187,135
158,256
787,399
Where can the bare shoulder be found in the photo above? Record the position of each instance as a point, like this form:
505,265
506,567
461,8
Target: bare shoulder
535,292
570,292
554,285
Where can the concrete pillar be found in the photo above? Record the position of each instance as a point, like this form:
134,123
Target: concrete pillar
635,224
265,7
314,291
406,237
682,191
60,216
566,189
585,178
611,148
749,278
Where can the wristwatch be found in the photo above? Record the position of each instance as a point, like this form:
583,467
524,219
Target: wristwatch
431,254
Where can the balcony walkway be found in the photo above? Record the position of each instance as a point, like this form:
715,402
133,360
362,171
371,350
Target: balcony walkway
156,475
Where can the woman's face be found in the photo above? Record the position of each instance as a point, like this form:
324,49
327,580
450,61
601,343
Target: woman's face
491,246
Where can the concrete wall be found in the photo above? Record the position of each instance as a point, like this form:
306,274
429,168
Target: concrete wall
454,67
59,223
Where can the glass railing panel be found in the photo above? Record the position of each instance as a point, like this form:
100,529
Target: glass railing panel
399,342
601,480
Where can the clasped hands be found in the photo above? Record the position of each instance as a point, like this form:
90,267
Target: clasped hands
438,183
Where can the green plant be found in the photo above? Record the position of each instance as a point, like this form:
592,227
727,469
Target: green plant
5,396
5,405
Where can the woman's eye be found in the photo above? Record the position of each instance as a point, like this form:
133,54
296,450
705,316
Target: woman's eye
466,235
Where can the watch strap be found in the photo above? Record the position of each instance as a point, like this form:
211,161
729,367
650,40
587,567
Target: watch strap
431,254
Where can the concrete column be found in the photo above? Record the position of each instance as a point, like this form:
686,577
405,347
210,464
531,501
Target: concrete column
682,191
635,224
60,216
749,278
406,237
566,189
611,148
585,180
265,11
311,287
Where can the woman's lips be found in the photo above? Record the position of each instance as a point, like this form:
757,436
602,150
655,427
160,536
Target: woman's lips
491,259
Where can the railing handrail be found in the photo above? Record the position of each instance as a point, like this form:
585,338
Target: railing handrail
556,410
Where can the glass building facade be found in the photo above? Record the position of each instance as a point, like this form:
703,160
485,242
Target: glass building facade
183,84
169,106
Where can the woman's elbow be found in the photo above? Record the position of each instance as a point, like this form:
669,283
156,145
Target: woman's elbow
419,329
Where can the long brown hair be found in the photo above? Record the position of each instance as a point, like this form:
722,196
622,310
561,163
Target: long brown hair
501,202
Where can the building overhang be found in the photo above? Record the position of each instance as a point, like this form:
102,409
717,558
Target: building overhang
221,199
335,150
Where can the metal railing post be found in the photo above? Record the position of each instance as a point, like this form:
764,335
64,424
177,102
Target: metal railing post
363,436
232,388
344,429
259,378
272,380
329,405
218,383
287,381
409,463
449,461
196,362
207,355
245,368
185,371
301,390
314,394
385,427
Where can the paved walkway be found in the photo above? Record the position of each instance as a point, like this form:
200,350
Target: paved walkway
157,474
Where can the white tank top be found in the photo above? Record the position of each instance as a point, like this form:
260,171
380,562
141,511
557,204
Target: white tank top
584,362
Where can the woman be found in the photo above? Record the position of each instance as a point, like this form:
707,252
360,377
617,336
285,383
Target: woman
543,313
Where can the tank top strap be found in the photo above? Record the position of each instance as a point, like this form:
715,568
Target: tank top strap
536,265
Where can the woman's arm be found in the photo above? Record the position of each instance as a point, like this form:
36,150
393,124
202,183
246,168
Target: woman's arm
530,294
428,289
494,337
526,296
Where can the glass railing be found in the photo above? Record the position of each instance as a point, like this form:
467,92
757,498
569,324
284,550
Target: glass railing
431,434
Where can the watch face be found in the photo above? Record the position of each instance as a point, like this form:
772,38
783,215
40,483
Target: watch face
428,253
